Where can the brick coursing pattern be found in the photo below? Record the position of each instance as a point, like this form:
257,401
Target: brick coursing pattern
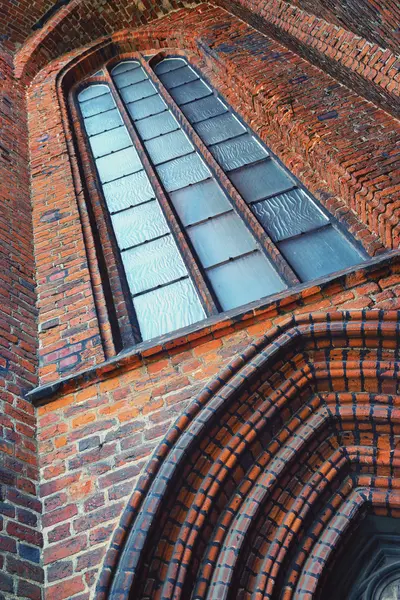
99,431
20,538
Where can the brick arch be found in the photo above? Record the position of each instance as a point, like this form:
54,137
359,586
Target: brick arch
259,480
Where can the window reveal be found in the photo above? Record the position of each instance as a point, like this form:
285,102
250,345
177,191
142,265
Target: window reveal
236,269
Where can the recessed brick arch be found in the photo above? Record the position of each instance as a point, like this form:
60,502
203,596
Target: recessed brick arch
259,480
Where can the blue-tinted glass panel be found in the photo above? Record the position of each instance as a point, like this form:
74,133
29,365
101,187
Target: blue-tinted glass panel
318,253
169,64
118,164
220,239
177,77
138,91
153,264
200,201
167,309
122,67
92,91
238,152
191,91
261,180
104,122
157,125
245,279
289,214
169,146
139,224
183,171
128,191
146,108
219,129
110,141
203,109
97,105
129,78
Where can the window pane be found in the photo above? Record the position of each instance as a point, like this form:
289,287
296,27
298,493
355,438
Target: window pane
138,91
238,152
139,224
219,129
146,108
182,172
127,65
118,164
110,141
177,77
289,214
92,91
128,191
153,264
168,146
189,92
104,122
315,254
203,109
169,64
244,280
129,77
220,239
157,125
97,105
261,180
200,201
157,311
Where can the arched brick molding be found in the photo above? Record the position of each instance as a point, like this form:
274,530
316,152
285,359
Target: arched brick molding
259,480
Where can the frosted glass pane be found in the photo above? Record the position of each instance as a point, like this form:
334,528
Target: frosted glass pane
203,109
118,164
244,280
139,224
154,126
104,122
110,141
169,64
97,105
182,171
153,264
168,146
138,91
258,181
128,191
315,254
238,152
200,201
191,91
92,91
129,77
167,309
221,238
146,108
122,67
289,214
177,77
219,129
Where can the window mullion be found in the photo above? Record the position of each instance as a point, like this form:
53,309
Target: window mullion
241,206
205,294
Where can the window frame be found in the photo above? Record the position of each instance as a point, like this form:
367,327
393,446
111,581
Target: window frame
121,312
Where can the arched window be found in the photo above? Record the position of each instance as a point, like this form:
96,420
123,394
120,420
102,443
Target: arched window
192,244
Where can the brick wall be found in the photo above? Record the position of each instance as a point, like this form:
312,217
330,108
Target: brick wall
20,538
95,439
